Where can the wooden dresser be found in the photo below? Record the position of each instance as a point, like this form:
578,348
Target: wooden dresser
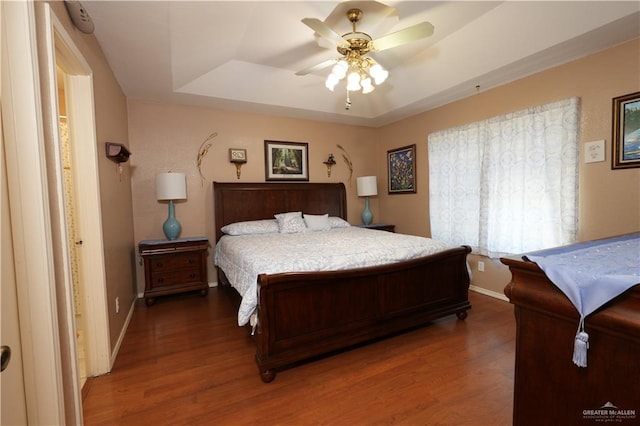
174,266
549,389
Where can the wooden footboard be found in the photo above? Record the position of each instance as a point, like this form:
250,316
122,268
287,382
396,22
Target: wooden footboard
303,315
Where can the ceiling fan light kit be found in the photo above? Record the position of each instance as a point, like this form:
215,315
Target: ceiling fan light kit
362,72
359,72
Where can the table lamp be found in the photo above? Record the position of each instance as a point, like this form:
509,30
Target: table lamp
171,186
367,186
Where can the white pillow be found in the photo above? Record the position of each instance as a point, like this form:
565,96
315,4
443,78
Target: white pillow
317,222
265,226
289,223
338,222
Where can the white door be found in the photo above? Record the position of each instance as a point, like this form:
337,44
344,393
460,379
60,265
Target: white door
75,205
27,241
13,405
45,348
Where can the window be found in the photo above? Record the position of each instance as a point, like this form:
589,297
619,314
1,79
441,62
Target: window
508,184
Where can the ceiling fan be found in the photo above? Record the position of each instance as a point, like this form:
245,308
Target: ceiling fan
354,47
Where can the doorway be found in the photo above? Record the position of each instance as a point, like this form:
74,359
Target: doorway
74,235
71,110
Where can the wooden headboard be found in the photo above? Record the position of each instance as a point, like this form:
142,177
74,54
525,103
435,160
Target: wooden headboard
237,201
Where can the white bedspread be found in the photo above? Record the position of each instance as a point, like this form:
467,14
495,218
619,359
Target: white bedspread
244,257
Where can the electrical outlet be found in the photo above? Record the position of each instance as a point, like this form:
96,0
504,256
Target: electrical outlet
117,305
481,266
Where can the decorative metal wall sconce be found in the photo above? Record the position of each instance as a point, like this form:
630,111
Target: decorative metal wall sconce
118,153
237,157
329,163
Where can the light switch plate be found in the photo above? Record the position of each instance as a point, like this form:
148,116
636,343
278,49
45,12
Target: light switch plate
594,151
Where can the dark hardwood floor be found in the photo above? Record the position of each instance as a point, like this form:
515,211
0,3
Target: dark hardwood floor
184,361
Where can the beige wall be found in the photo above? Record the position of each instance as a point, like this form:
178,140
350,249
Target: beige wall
168,138
609,200
115,192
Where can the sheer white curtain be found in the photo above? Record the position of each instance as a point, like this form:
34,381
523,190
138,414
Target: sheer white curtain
508,184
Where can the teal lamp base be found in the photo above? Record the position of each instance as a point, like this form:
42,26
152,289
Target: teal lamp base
367,216
171,226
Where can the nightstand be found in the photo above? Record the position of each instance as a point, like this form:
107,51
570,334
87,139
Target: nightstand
380,227
174,266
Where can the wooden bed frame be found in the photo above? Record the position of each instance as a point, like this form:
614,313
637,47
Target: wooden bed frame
304,315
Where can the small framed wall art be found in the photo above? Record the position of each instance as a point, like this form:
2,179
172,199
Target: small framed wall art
286,160
237,155
625,139
401,164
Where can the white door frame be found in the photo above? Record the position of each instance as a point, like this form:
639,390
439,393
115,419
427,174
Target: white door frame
28,202
30,212
80,109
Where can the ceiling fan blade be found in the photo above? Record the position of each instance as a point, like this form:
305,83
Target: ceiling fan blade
407,35
317,67
326,32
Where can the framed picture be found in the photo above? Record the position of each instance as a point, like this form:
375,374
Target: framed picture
237,155
625,140
402,170
286,160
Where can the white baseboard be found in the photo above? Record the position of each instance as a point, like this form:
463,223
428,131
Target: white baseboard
489,293
114,353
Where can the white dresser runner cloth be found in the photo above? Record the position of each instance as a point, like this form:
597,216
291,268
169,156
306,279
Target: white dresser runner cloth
590,275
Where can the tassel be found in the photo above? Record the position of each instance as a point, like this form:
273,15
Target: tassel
580,346
253,320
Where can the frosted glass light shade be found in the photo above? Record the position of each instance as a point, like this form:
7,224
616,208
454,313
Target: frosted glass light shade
378,73
367,186
367,87
331,82
340,69
171,186
353,82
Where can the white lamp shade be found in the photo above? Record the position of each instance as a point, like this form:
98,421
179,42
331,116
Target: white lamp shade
171,186
367,186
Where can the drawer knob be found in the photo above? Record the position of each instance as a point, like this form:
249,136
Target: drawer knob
159,264
161,279
192,275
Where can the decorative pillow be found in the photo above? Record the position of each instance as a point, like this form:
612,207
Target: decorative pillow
289,223
317,222
265,226
338,222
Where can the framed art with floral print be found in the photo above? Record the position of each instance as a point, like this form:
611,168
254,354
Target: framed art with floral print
286,160
625,139
402,170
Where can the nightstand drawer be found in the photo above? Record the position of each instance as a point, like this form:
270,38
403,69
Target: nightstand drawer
175,277
177,261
